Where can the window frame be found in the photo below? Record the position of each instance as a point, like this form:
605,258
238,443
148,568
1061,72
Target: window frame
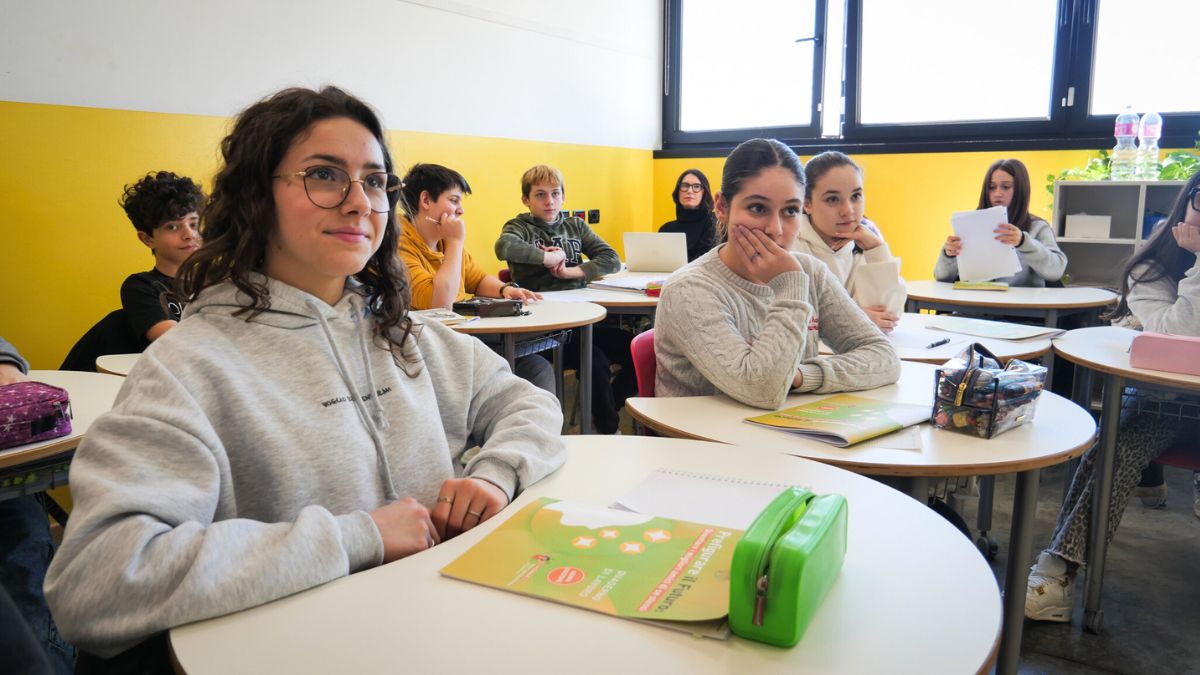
672,58
1067,127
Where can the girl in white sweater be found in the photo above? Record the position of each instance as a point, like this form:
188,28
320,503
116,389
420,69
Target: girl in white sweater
836,233
1161,292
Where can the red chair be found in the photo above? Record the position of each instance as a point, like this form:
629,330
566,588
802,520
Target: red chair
504,275
644,364
1181,456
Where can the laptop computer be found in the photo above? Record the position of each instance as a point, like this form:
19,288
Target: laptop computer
655,251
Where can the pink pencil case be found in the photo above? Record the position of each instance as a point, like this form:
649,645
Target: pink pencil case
1171,353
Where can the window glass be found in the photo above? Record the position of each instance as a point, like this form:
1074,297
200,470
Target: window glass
741,66
1141,62
938,61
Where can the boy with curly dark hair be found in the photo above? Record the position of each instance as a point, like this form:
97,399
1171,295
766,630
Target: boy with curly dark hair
165,210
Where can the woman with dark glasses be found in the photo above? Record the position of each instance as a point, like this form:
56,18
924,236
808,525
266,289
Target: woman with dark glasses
693,213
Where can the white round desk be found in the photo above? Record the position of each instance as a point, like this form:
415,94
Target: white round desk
92,395
1105,350
1044,303
879,616
619,302
545,317
1061,430
116,364
911,340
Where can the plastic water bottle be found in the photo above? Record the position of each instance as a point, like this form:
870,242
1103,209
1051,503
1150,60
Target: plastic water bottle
1149,131
1124,155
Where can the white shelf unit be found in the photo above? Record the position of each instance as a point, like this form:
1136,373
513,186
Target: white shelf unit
1128,203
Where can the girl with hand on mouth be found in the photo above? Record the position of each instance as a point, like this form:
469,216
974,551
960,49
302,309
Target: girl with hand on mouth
746,318
1006,184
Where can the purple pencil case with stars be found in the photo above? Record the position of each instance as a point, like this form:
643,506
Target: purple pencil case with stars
32,412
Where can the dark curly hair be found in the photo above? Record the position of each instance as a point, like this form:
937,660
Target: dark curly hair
241,212
158,197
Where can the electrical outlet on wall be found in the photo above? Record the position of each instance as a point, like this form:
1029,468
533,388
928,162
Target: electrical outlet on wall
593,216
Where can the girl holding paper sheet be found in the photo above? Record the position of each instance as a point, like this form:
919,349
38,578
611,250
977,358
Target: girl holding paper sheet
1161,292
1006,184
836,233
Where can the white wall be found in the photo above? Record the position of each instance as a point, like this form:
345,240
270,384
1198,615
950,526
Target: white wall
553,70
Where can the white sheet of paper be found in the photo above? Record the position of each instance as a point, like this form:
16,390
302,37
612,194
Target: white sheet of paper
982,257
877,285
700,498
921,338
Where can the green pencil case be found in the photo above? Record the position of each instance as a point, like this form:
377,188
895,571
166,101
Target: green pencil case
785,564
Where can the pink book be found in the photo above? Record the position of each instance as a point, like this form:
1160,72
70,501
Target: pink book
1171,353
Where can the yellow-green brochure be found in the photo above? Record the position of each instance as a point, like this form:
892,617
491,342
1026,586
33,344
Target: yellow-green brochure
621,563
981,285
844,419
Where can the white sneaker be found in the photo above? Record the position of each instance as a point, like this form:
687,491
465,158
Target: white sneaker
1196,492
1153,497
1050,595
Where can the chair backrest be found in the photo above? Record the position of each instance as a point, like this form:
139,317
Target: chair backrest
1182,455
644,365
110,335
505,275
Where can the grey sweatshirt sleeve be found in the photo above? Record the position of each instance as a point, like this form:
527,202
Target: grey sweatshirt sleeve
514,245
516,424
602,259
863,358
9,354
756,372
1164,307
946,268
147,547
1040,252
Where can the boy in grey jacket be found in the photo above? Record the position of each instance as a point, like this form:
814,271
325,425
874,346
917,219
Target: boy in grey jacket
545,247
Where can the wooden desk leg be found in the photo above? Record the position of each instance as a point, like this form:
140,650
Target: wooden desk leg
585,380
1016,577
1110,415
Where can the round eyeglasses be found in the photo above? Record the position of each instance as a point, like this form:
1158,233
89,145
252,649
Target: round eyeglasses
328,187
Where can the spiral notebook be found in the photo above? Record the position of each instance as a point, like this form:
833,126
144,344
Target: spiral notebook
700,497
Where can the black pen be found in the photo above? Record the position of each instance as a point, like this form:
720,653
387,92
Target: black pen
939,343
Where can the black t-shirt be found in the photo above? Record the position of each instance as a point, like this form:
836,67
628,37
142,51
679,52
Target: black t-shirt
148,299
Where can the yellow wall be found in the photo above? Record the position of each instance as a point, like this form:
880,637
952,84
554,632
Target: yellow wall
910,196
65,245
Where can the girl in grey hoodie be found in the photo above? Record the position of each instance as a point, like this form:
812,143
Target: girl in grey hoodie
298,425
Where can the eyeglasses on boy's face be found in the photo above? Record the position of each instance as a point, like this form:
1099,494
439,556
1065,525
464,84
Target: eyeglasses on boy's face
691,187
328,187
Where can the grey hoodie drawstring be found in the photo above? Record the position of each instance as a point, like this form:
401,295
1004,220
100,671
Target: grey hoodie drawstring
379,417
369,421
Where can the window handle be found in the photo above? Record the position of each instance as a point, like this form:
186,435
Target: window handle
815,39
